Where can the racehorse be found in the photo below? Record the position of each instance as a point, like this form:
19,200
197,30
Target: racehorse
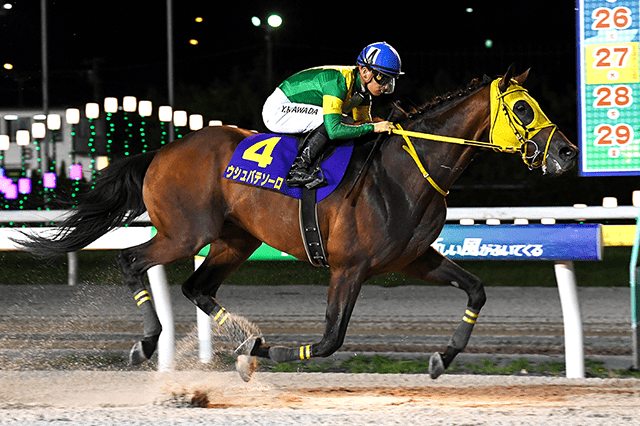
388,224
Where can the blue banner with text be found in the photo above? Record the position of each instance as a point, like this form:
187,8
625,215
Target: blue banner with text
521,242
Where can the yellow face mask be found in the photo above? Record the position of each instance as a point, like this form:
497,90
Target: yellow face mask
513,131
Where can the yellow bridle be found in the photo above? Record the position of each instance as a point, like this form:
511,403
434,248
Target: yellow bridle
506,134
508,131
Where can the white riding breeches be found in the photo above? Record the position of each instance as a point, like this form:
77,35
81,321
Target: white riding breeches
280,115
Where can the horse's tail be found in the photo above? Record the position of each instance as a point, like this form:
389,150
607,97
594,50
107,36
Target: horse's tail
115,200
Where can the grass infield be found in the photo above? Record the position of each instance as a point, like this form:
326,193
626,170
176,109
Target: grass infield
376,364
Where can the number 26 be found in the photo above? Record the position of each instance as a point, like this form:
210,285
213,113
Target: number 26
605,18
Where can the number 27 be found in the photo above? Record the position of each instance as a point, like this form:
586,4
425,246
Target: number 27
611,57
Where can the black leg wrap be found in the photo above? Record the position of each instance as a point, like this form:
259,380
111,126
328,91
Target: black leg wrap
440,362
461,336
282,354
144,349
205,303
150,320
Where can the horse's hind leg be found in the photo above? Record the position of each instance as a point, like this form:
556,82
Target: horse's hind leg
226,254
434,267
133,267
134,262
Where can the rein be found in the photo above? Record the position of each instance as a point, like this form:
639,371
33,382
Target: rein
407,133
509,140
412,152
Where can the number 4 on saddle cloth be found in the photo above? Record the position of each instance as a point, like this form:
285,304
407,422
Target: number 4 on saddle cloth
264,160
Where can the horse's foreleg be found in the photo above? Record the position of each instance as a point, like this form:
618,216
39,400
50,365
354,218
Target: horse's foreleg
343,292
434,267
132,268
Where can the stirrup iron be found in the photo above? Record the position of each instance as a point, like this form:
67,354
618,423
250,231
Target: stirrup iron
319,181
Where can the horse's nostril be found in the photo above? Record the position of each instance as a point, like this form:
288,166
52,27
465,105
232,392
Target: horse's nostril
568,153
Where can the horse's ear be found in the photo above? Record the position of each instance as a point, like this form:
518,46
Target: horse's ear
522,77
506,78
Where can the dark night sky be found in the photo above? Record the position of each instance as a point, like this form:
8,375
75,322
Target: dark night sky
224,76
126,40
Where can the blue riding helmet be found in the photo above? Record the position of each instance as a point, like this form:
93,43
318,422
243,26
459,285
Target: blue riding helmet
382,58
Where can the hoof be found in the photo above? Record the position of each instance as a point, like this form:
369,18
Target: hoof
245,366
137,356
281,354
436,365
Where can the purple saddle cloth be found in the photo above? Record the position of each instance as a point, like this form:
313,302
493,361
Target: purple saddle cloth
264,159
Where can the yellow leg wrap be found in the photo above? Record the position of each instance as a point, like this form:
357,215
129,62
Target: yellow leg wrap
469,317
305,352
142,297
221,313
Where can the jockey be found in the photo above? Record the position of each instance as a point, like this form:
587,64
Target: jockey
316,101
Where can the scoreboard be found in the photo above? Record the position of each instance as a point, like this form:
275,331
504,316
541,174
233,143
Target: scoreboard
609,86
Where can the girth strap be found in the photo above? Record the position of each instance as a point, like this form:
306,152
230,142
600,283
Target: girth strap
310,230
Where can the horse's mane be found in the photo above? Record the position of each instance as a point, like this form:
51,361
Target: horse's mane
439,102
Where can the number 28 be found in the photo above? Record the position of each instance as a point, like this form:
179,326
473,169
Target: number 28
617,96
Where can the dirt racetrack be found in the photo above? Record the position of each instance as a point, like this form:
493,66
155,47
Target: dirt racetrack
220,398
41,323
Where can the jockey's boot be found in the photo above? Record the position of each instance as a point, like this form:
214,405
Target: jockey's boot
304,170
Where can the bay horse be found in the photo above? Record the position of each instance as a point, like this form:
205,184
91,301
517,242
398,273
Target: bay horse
387,225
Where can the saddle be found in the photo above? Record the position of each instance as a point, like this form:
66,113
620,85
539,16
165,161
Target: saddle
264,159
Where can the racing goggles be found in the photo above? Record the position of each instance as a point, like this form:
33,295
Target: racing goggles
387,82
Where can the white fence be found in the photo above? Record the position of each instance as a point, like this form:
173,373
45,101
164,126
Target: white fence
130,236
577,212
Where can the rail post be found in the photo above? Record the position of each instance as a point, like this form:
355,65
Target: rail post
572,318
205,342
72,269
162,300
635,297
